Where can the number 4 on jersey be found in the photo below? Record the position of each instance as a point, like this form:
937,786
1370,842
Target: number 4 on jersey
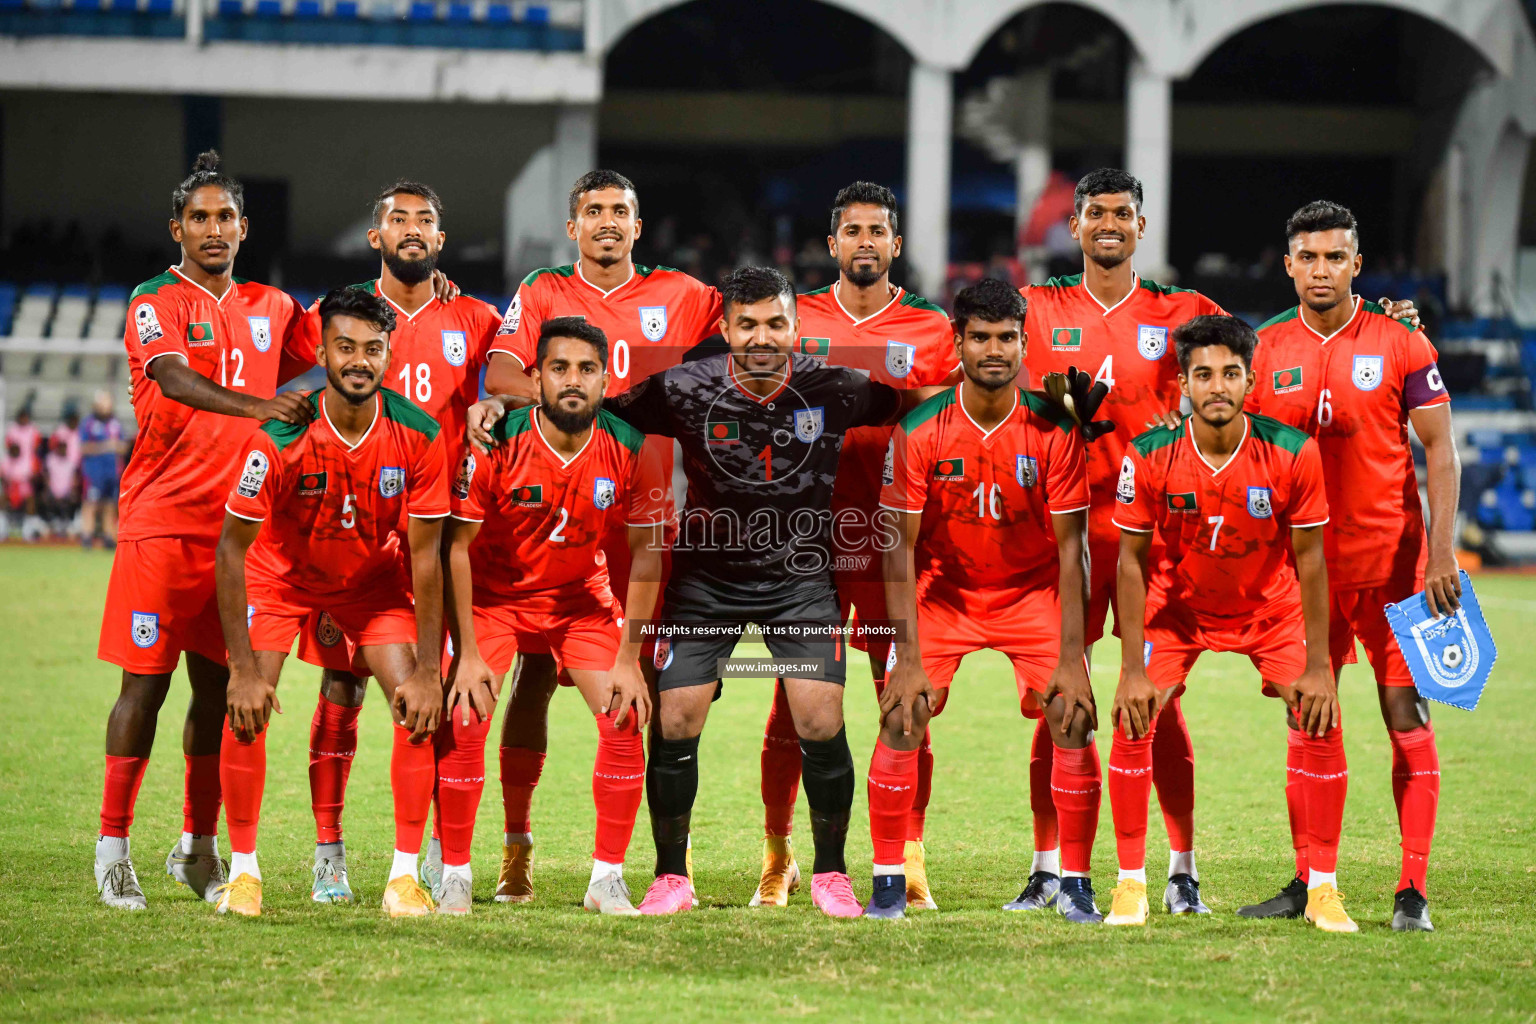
1106,372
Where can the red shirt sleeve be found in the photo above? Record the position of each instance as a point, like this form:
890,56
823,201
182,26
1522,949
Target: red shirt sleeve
936,357
647,503
518,335
156,327
1422,385
259,480
1309,501
1136,494
1205,307
904,482
1066,475
299,343
429,481
708,309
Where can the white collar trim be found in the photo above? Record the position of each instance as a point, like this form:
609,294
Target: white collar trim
1302,316
378,286
1135,284
610,291
1230,459
537,429
856,321
960,400
377,410
216,300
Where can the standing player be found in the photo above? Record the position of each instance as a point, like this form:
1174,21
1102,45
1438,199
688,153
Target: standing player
1221,496
1340,369
761,428
866,323
526,573
436,351
101,464
203,356
313,523
1000,564
652,316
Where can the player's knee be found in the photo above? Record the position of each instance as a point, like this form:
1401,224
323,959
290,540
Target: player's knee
343,688
146,692
1402,709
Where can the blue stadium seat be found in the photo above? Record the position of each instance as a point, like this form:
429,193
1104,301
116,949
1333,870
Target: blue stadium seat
460,14
12,5
159,6
87,5
423,11
268,9
231,9
536,15
498,14
307,9
345,9
124,6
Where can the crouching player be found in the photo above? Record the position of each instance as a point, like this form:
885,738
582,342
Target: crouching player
1228,498
990,487
312,525
526,573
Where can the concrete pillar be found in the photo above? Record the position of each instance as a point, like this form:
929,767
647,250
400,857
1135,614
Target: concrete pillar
1149,156
537,200
925,222
1032,162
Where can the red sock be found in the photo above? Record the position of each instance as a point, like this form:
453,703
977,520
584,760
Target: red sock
1041,801
1416,788
892,785
243,775
918,817
412,773
1173,773
1296,799
1075,785
332,743
618,779
520,771
459,750
119,791
200,803
1130,786
780,767
1325,781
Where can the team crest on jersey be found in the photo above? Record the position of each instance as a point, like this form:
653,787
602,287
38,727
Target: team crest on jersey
464,476
261,332
253,475
1026,470
455,348
602,493
1146,652
514,317
1259,503
899,357
1151,342
653,322
809,423
146,628
391,481
326,630
147,324
1367,375
1125,490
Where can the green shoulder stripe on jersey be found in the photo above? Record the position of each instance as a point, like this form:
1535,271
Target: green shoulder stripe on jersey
824,289
1276,433
153,285
1071,281
284,434
918,302
1371,307
928,410
622,432
1163,289
408,414
513,423
569,270
1158,437
1290,314
240,280
371,287
1048,410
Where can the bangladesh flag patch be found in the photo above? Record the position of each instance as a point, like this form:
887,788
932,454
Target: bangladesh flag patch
200,334
1287,380
949,469
529,494
817,347
1066,337
311,484
1182,502
722,431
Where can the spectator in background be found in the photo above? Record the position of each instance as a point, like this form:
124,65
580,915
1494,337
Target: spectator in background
23,434
60,498
102,451
18,469
68,432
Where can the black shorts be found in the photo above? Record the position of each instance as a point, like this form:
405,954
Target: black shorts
800,620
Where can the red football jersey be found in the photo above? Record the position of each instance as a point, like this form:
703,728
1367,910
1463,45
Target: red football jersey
651,320
545,519
185,459
1128,346
332,509
986,496
1353,391
1223,537
909,343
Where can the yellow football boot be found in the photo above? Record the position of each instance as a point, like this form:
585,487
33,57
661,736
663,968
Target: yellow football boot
515,883
404,897
1128,903
781,875
915,857
1325,908
241,896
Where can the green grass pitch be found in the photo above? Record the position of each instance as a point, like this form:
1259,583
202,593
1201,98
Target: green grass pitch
65,957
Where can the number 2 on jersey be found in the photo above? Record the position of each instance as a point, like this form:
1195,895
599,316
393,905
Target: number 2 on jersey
557,535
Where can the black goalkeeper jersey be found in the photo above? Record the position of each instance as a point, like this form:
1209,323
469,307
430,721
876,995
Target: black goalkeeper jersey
760,470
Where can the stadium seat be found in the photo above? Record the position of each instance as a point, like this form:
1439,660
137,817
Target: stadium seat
345,9
307,9
534,15
422,11
33,312
231,9
159,6
69,316
7,307
498,14
460,14
110,312
124,6
268,9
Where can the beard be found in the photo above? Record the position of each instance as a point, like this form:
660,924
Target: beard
408,271
1110,260
353,398
987,385
865,277
213,266
569,422
1321,307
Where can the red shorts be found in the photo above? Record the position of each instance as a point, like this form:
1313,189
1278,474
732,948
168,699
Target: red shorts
160,602
1360,614
371,616
1026,629
1103,561
578,627
1174,639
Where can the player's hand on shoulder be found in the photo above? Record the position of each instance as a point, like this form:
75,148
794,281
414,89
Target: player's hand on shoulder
1170,419
1070,682
628,691
1136,704
482,419
1402,309
1442,585
444,289
286,407
472,686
